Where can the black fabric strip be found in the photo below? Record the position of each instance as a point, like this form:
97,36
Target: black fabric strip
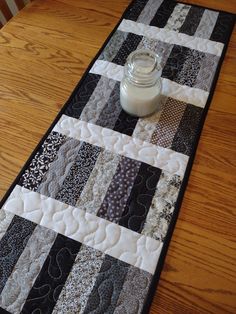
109,284
140,198
130,44
186,132
49,283
175,62
192,21
222,27
12,245
76,104
125,123
163,13
135,10
2,311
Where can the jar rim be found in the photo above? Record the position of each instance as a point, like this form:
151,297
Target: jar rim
143,67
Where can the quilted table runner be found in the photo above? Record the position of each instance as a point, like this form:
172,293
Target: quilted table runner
86,225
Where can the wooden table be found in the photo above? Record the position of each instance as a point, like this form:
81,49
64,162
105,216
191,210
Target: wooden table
44,50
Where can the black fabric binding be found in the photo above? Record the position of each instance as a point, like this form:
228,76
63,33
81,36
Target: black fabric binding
156,276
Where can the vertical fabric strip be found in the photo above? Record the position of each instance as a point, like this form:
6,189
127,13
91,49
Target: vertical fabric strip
118,192
140,198
40,164
80,282
98,100
168,123
206,24
26,269
135,10
177,17
99,180
12,245
134,291
125,123
49,283
149,11
222,27
113,46
79,100
162,207
5,220
79,173
59,168
130,44
163,13
192,21
107,287
146,126
186,132
112,109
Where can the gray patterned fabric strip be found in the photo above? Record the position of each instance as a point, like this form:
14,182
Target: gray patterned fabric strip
146,126
177,17
98,100
162,49
109,283
100,178
112,109
5,220
119,190
12,245
34,174
135,286
78,174
207,24
80,282
188,74
113,46
149,11
60,168
207,72
27,269
162,208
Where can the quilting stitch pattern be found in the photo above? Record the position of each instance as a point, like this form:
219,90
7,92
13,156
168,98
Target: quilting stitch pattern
83,229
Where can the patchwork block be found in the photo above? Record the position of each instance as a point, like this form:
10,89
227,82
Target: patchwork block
84,227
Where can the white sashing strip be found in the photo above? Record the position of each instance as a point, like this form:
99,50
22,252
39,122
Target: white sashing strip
122,144
172,37
190,95
112,239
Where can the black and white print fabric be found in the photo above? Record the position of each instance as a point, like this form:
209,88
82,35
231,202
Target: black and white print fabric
84,226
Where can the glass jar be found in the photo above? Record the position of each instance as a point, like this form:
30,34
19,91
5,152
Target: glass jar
140,87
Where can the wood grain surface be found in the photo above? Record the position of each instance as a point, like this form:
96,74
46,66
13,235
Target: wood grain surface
44,51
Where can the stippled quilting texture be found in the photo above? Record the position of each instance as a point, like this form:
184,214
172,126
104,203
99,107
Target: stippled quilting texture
85,226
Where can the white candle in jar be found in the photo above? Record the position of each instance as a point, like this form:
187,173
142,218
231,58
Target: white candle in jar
140,88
